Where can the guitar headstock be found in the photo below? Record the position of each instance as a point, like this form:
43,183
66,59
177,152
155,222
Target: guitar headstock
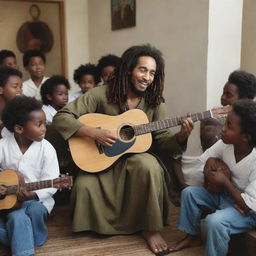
63,182
220,112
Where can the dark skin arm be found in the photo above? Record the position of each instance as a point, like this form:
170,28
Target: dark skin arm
24,195
178,172
216,176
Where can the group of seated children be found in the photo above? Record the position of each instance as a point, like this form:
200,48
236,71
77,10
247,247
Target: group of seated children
231,209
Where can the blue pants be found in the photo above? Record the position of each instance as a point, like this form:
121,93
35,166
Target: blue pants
24,229
219,225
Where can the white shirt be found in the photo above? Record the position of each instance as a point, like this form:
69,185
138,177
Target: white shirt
49,113
243,172
75,95
30,89
38,163
192,169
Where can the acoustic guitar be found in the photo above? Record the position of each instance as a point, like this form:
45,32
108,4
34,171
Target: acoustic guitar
133,131
10,181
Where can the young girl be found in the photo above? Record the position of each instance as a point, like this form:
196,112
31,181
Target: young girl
234,209
54,93
87,77
26,151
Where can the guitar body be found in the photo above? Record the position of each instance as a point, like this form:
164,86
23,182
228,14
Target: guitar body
9,178
91,157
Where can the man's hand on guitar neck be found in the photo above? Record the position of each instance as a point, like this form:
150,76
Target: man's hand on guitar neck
187,125
24,195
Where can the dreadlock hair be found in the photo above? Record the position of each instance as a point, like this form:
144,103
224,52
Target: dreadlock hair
119,85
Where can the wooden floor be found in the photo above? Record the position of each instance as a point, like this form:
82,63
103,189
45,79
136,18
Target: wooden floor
62,241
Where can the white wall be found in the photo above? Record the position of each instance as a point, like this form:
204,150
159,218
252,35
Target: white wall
178,28
77,28
224,48
248,54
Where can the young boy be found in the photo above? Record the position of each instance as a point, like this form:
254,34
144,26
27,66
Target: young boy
106,66
54,93
8,58
86,76
234,209
10,85
34,63
240,85
26,151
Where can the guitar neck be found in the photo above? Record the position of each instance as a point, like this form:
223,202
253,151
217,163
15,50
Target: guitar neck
30,186
168,123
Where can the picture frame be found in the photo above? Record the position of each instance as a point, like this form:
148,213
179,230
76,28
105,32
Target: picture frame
20,16
123,14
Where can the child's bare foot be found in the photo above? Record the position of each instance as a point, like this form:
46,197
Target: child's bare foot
155,241
187,241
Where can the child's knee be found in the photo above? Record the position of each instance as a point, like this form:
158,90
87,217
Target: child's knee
213,222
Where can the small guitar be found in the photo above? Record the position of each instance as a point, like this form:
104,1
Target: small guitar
10,181
133,131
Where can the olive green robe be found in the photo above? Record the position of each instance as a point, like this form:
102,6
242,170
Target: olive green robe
132,195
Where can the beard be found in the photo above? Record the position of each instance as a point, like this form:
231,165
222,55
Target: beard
137,92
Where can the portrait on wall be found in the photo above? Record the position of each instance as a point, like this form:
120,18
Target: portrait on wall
123,14
28,25
34,34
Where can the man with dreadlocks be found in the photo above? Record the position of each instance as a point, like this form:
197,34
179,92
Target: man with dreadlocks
132,195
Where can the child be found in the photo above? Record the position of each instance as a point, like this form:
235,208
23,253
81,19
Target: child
86,76
10,85
106,66
234,209
34,63
7,58
240,85
26,151
54,93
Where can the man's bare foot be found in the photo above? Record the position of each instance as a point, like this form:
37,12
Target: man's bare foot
155,241
187,241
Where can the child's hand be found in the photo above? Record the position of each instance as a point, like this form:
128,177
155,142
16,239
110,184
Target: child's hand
216,174
24,195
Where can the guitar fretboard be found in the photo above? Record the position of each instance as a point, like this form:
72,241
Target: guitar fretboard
30,186
168,123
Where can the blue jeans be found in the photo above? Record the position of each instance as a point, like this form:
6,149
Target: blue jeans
219,225
24,229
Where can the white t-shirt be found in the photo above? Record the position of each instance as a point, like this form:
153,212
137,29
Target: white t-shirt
74,96
38,163
30,89
243,172
49,113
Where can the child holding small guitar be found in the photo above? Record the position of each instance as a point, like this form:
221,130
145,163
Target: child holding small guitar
26,151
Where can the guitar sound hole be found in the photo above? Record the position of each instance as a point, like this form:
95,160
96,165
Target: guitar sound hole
126,133
2,192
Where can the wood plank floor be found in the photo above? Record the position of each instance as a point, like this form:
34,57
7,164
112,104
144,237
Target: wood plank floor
62,241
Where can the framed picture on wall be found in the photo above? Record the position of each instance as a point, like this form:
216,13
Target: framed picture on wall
123,14
38,24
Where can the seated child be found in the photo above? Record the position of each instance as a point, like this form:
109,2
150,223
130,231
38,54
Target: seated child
233,210
26,151
7,58
86,76
106,66
34,63
10,87
240,85
54,94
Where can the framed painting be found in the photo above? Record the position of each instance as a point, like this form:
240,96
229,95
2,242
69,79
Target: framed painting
123,14
39,24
